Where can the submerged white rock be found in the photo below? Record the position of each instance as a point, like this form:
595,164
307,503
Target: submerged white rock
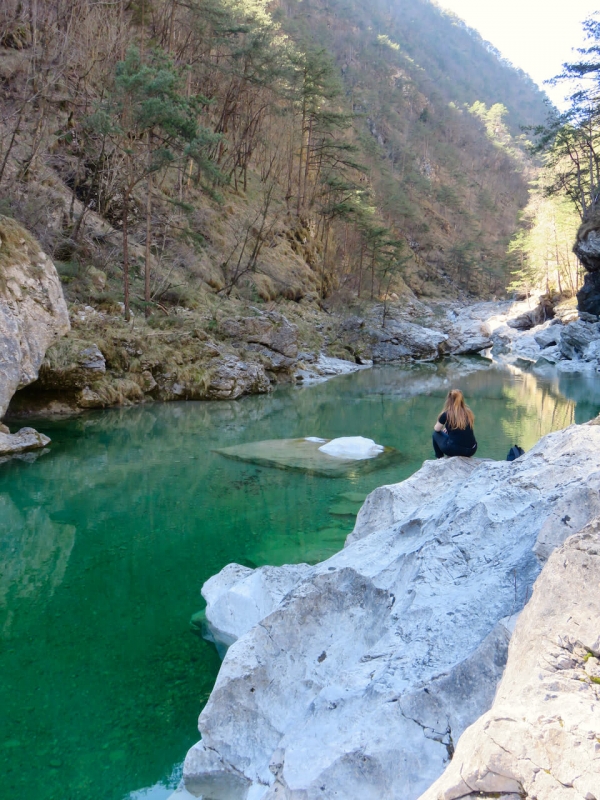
357,682
346,454
356,448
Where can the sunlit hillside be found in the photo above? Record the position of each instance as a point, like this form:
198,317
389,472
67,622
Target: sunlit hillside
165,152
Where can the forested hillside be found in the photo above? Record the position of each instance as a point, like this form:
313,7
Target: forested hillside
163,150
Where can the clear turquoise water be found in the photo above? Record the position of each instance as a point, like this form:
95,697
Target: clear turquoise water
106,540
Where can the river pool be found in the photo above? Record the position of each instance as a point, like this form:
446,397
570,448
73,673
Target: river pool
107,538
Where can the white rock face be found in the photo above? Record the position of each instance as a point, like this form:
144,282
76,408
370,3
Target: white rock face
540,738
356,448
239,598
33,312
359,680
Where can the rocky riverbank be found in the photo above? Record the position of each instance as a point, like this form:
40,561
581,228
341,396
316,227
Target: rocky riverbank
232,351
59,361
357,677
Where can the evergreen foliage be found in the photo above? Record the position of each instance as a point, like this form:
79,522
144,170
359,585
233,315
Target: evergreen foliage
383,137
569,186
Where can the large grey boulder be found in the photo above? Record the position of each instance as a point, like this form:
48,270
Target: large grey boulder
272,330
33,312
231,378
467,338
540,738
23,441
360,680
547,335
401,341
576,337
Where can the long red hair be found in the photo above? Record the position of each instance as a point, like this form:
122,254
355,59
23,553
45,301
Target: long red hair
458,414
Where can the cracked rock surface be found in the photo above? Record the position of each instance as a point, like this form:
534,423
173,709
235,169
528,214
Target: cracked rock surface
541,738
355,678
33,312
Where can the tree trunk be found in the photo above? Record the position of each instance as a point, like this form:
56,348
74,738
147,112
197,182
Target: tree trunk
126,254
373,274
147,257
302,126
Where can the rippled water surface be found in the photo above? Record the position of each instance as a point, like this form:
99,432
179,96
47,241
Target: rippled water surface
106,539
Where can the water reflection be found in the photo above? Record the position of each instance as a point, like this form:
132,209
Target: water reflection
107,540
34,553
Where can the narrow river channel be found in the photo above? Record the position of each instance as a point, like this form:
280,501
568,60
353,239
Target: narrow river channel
106,540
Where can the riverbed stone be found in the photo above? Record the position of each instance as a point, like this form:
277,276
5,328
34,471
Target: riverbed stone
540,738
24,440
547,335
33,312
359,681
231,378
401,341
576,337
467,337
272,330
592,351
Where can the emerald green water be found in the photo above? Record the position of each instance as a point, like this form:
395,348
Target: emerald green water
106,540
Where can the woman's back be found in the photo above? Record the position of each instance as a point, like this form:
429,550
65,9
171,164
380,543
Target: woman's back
453,432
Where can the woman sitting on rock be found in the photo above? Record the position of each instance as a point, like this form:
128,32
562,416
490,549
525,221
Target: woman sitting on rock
453,432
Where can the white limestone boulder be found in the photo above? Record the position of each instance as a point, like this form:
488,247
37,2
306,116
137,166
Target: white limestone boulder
540,738
360,680
467,333
239,597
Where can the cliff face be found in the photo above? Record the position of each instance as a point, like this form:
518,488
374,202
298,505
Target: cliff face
33,312
540,738
356,677
587,250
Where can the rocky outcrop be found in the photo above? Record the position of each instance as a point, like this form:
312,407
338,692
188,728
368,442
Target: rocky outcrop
401,341
588,297
394,338
540,738
33,312
570,340
231,378
587,250
536,316
359,681
576,337
23,441
271,330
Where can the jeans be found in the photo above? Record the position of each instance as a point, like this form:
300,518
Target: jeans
444,447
